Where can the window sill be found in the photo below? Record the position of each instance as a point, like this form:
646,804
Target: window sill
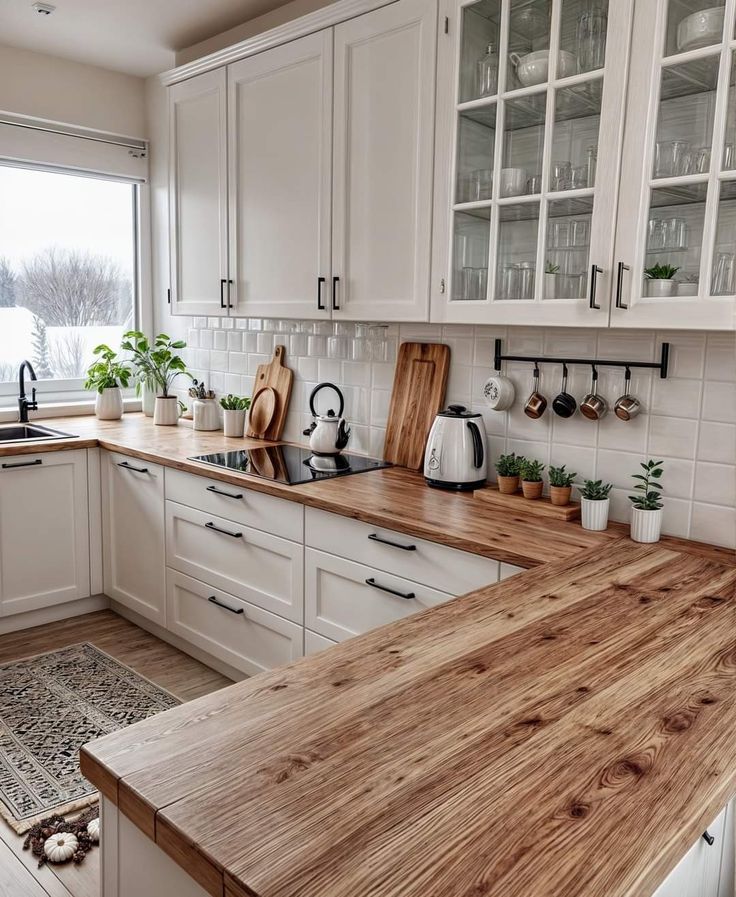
9,413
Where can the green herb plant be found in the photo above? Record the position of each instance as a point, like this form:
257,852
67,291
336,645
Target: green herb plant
235,403
106,372
509,465
158,364
558,476
596,490
649,497
531,471
551,269
661,272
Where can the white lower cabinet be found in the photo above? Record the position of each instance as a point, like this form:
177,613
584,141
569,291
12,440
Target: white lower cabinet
314,643
239,633
703,871
133,535
44,530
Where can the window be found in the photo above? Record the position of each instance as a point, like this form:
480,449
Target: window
68,272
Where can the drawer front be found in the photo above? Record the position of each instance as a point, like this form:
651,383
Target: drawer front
340,603
272,515
236,632
255,566
446,569
314,643
508,570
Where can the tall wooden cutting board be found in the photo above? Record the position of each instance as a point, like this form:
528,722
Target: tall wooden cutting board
418,394
276,375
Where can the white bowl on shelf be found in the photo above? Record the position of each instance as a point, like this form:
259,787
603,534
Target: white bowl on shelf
533,68
700,29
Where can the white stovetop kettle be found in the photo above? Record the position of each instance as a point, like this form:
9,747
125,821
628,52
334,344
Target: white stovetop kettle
328,433
456,455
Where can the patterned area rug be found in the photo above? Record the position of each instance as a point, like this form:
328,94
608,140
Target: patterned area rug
52,704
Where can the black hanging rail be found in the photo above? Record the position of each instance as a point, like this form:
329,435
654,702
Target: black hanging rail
661,365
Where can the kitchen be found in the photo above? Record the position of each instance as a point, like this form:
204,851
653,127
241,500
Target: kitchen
395,383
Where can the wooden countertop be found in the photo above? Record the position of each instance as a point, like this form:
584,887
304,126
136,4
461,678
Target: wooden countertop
567,731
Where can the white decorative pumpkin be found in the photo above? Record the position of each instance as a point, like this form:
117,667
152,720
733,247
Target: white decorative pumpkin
60,847
93,830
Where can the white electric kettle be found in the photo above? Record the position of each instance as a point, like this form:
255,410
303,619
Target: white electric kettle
456,455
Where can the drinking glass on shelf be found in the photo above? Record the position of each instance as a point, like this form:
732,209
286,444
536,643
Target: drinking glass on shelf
672,158
558,234
675,233
656,238
729,156
591,40
579,232
487,72
561,176
481,184
723,274
591,160
701,160
579,177
510,281
534,184
475,283
526,280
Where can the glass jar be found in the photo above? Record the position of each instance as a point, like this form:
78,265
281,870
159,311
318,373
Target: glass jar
591,40
487,72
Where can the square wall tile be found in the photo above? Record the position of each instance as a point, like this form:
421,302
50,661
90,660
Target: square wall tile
717,442
677,398
716,483
687,353
713,523
719,402
672,437
720,357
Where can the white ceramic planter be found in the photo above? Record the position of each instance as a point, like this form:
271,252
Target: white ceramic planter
166,411
550,286
109,404
646,526
148,399
233,422
594,514
206,414
660,288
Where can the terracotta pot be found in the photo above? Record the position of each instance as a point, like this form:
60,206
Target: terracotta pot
594,514
532,490
560,495
646,526
109,403
508,485
166,411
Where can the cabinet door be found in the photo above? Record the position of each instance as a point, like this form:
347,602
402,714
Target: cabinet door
382,185
280,169
676,233
133,534
699,872
44,530
530,125
198,195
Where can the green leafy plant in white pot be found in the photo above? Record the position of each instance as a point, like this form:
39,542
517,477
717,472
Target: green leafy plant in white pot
160,365
106,375
234,409
137,344
595,504
661,280
646,514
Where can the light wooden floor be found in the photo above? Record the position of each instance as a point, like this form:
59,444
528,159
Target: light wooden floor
147,655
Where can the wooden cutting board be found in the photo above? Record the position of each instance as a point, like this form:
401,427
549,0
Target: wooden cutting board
418,394
276,375
541,507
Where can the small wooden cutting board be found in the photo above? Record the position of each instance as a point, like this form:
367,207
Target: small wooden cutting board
418,394
278,377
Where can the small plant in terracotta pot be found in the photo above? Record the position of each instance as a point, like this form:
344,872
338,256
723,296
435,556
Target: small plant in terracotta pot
508,468
646,515
531,479
595,504
560,485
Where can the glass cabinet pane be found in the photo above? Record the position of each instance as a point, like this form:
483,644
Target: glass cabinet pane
523,145
728,159
476,140
528,43
723,274
479,50
470,263
568,248
674,240
575,137
583,32
518,228
692,24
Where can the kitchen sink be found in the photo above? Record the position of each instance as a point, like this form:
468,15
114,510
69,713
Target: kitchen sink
26,432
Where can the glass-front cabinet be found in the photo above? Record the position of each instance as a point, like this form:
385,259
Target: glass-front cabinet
532,95
676,230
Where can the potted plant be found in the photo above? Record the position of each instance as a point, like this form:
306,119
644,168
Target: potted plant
162,366
560,485
550,280
106,375
137,344
531,479
508,468
594,504
233,414
660,280
646,515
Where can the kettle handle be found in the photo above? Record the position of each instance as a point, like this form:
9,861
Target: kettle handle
324,386
478,450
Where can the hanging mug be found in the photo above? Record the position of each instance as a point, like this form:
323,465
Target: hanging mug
593,406
627,406
564,404
536,404
499,392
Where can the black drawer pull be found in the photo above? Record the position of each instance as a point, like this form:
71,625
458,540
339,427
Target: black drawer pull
408,595
221,492
23,464
708,838
232,610
376,538
130,467
225,532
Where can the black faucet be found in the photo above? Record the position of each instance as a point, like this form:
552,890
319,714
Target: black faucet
24,406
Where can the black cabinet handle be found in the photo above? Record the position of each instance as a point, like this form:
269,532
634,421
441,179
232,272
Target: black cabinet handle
23,464
320,303
335,281
229,303
225,532
130,467
619,285
223,281
168,296
594,272
222,492
708,838
408,595
376,538
232,610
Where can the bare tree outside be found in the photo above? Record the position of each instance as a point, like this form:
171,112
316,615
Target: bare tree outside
67,288
8,279
68,357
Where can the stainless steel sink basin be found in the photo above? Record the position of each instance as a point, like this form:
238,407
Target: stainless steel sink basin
26,432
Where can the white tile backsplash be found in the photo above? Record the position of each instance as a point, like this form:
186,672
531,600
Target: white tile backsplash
689,420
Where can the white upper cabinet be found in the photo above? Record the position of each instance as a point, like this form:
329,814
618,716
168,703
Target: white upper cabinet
530,124
280,148
677,203
198,195
382,188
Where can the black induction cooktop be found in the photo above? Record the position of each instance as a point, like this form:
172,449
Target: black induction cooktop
290,464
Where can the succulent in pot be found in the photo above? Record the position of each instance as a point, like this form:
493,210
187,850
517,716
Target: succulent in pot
234,409
660,280
160,365
646,514
106,375
508,468
595,504
531,479
560,485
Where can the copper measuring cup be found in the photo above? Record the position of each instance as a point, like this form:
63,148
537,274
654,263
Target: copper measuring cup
536,404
